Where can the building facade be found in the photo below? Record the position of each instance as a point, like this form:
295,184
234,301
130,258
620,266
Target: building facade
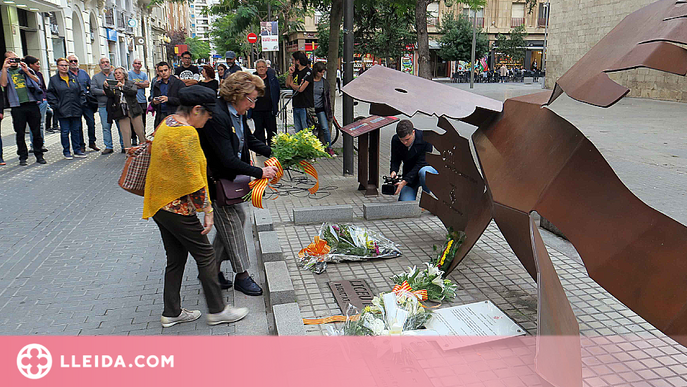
201,22
120,30
572,33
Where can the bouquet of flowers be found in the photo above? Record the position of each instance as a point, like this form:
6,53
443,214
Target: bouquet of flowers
389,314
347,243
292,149
289,151
429,280
454,239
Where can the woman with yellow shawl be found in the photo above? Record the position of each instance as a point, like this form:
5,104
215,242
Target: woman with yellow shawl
176,189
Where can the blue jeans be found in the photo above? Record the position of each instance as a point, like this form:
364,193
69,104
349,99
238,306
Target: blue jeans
107,129
324,126
70,126
409,192
89,115
43,107
300,119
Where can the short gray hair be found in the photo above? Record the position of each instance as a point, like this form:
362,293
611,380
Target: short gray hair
126,73
261,61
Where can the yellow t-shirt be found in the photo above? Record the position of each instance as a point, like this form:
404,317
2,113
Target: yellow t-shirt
66,79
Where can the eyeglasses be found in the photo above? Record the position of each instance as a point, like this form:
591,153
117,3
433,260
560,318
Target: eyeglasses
73,61
251,100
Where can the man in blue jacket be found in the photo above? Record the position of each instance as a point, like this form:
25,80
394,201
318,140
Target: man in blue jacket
88,113
264,114
23,96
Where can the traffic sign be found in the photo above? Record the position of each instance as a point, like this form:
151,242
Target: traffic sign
252,38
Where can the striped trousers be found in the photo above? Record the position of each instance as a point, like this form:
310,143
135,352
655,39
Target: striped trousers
230,241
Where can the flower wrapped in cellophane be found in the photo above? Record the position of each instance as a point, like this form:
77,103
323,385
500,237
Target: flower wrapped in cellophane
429,282
348,243
454,239
292,149
394,313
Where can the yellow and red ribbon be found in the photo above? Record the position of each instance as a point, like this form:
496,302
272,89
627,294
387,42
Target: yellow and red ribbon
258,186
405,287
310,170
318,248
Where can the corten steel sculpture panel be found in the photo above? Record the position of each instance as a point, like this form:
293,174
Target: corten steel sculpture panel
532,159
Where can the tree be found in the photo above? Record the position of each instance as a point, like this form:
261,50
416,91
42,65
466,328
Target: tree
456,39
198,48
240,17
384,27
513,45
322,50
176,37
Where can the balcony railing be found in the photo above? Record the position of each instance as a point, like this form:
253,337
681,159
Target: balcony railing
517,22
109,17
121,23
480,22
432,21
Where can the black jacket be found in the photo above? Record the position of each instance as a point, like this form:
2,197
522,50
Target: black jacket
65,101
413,159
220,145
114,107
173,87
275,89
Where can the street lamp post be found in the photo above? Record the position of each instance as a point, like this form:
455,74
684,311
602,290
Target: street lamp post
348,77
546,35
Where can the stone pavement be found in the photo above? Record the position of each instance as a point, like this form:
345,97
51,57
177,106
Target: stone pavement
77,259
642,141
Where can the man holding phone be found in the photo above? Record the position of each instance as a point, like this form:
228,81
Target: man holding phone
98,90
166,93
23,95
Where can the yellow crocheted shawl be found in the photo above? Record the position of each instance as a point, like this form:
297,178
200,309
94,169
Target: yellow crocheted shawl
177,167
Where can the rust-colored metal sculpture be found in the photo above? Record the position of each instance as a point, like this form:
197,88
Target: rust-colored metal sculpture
643,39
531,159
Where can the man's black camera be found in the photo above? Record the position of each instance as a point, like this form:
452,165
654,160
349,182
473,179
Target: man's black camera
389,186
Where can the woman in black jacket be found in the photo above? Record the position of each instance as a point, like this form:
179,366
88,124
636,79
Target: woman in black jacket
323,105
227,141
264,114
64,96
123,106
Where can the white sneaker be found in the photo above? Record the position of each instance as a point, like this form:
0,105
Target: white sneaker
185,316
228,315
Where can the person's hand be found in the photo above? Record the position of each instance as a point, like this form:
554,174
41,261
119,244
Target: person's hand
269,172
24,67
208,222
399,186
6,64
120,84
163,98
1,115
106,85
392,174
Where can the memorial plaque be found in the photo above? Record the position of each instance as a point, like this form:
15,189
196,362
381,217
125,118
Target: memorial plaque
367,125
479,322
355,292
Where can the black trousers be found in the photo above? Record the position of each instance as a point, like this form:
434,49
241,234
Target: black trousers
144,106
265,122
27,113
182,235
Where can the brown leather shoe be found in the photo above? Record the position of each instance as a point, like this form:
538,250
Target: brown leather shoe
94,147
106,152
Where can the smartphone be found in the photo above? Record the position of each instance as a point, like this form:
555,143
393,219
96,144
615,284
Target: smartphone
112,82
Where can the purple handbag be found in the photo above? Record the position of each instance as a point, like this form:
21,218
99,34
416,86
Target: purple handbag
231,192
